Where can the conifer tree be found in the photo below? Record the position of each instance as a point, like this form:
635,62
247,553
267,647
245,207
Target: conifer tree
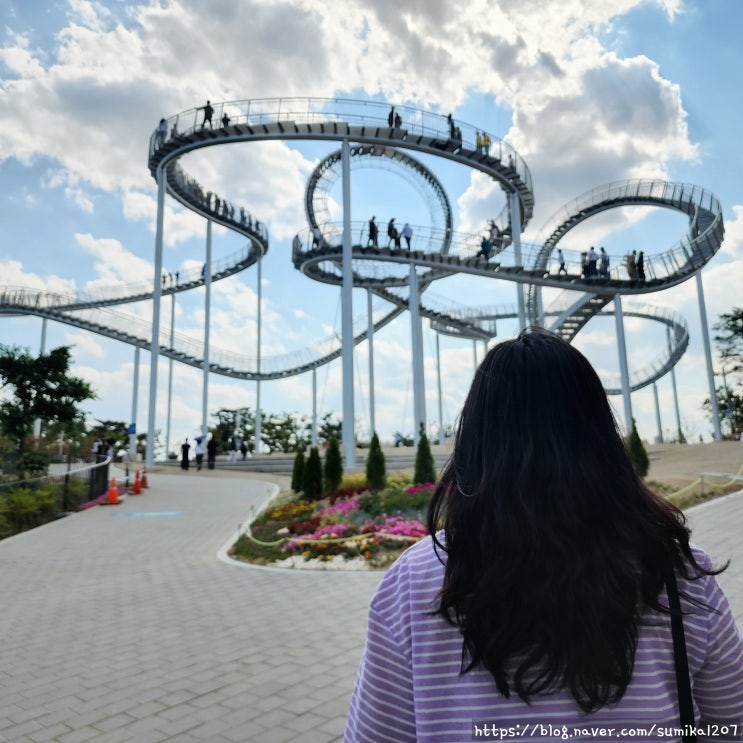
637,452
376,469
312,476
425,470
333,466
298,471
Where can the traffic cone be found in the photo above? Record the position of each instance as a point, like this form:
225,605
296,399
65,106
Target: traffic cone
113,493
137,488
145,484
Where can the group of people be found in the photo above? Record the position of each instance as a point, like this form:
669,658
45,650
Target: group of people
394,235
492,242
636,265
593,264
483,142
102,448
210,449
394,120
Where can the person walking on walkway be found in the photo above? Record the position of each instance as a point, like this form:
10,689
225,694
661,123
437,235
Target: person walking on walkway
554,582
208,113
184,454
373,234
211,453
407,233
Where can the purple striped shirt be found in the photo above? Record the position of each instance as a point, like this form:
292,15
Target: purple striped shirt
409,686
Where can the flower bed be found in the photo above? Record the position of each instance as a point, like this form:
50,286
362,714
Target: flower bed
352,529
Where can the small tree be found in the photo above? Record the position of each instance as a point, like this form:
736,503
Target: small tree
298,471
333,466
637,452
312,476
43,388
376,469
425,470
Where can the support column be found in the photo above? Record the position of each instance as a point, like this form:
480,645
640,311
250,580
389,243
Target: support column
679,432
156,296
474,356
258,416
207,271
314,407
370,338
441,403
419,386
42,350
708,359
170,372
349,438
623,369
135,390
659,439
515,210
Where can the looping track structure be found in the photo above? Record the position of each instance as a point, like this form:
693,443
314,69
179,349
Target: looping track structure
437,251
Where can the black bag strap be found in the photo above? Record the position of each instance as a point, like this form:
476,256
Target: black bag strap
683,684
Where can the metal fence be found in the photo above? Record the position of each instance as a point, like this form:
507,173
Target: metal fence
32,502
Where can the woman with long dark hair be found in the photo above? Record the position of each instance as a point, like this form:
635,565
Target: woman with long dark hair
539,607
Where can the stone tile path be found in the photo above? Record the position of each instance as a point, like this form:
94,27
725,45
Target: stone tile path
121,624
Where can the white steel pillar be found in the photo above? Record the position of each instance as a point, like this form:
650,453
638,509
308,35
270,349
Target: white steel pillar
657,414
623,369
156,295
708,359
170,372
515,210
474,355
419,386
42,349
370,338
441,403
314,407
135,390
207,271
349,438
679,433
258,417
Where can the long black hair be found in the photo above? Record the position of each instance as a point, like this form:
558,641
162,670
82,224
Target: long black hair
553,543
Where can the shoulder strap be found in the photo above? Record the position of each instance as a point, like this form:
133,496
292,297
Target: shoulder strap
686,704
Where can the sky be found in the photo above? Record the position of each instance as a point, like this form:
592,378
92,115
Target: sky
587,91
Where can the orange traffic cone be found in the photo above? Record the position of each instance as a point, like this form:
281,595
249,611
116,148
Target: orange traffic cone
113,493
137,488
145,484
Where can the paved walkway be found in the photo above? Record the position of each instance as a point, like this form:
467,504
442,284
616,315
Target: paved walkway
122,624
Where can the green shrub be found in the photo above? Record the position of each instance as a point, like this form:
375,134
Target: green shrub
23,508
637,452
298,471
371,503
333,466
312,476
425,470
376,469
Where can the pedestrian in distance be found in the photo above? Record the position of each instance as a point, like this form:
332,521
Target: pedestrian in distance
208,113
211,453
561,262
391,117
640,266
373,234
553,583
225,120
407,233
162,132
185,447
398,120
199,452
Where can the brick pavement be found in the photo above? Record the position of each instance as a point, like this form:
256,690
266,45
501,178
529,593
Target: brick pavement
121,624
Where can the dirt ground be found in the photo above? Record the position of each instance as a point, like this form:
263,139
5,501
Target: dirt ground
677,465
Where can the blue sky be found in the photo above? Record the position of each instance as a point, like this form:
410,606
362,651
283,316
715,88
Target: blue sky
587,91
